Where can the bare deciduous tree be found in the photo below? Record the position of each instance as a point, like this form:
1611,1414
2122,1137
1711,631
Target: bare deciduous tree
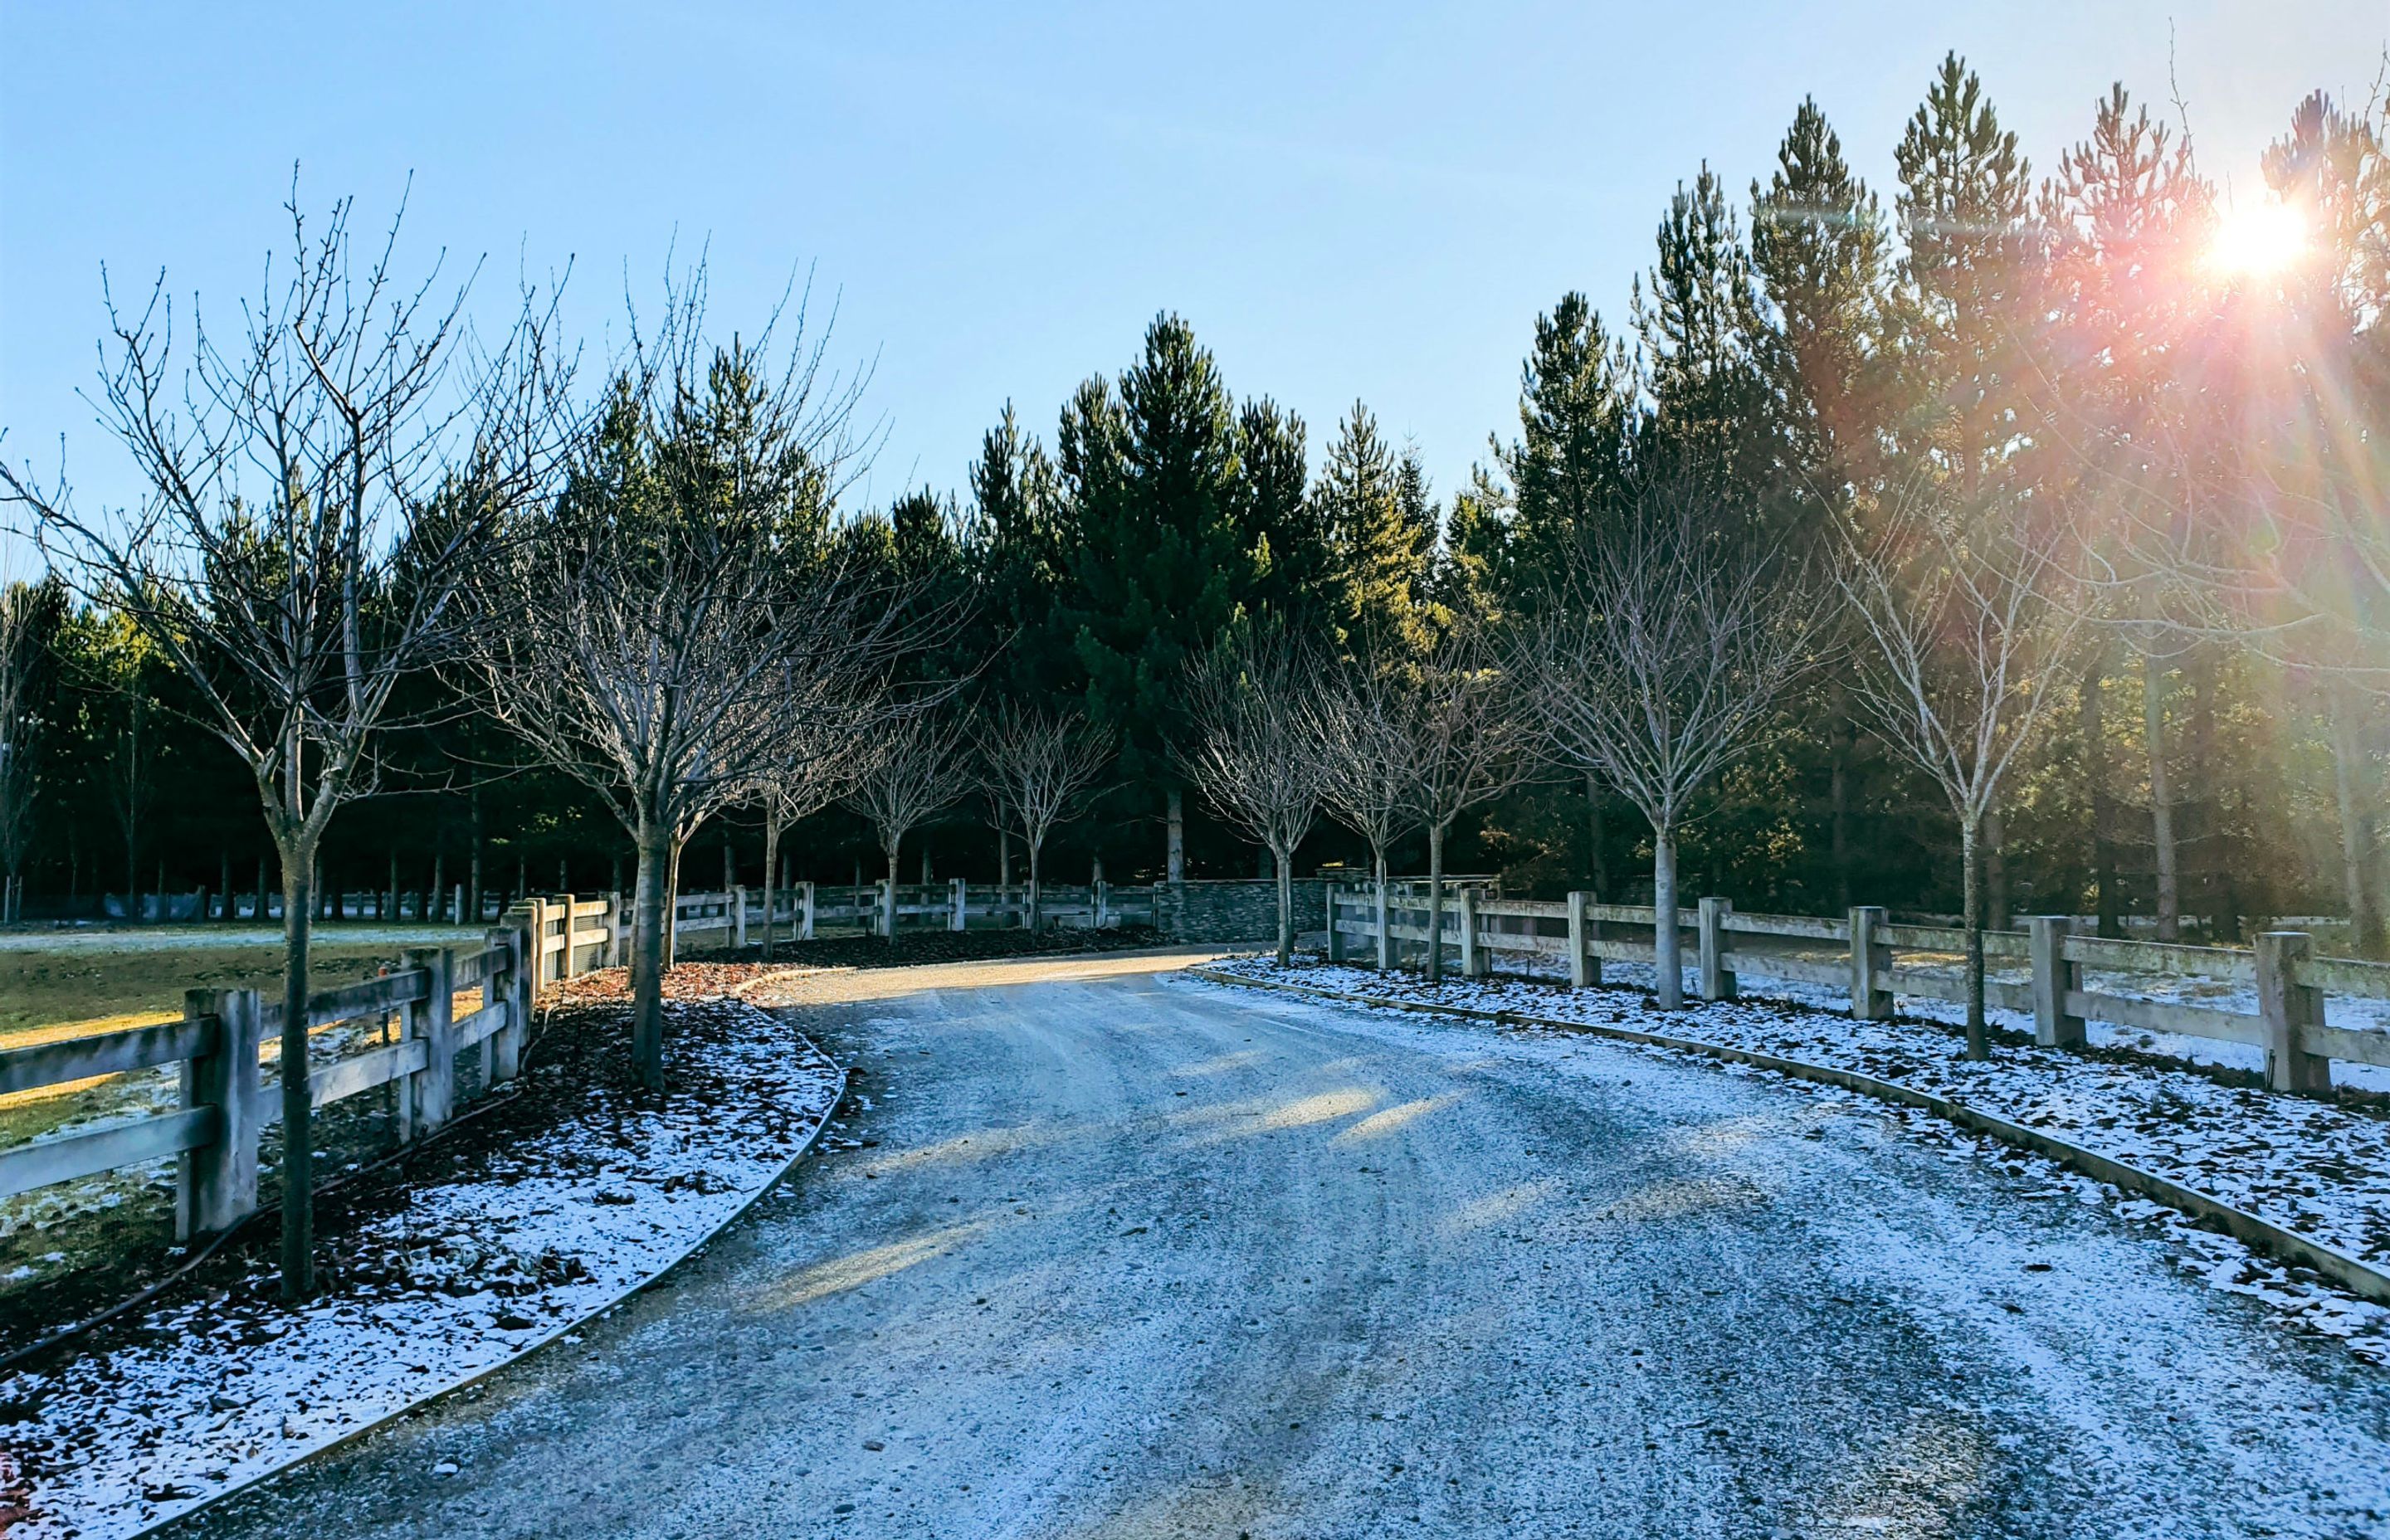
1039,766
1967,617
1254,703
1674,643
1470,740
316,491
1360,741
917,772
680,616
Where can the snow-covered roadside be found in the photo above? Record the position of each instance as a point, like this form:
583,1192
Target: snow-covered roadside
448,1281
2303,1165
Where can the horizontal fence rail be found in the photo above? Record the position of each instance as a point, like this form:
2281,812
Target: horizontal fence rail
225,1101
1862,957
737,917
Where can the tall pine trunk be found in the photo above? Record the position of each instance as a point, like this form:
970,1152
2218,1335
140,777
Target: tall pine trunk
2103,802
2348,760
649,917
1434,903
2154,733
1667,941
1971,877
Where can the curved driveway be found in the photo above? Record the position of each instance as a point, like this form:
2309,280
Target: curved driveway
1134,1255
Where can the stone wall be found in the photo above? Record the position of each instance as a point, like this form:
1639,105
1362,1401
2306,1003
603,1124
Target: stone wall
1243,909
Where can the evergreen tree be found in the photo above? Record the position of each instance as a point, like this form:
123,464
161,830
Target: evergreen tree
1156,565
1964,285
1016,538
1370,506
1577,418
1293,576
1697,314
1819,243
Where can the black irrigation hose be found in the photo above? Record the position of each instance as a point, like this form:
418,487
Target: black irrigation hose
68,1334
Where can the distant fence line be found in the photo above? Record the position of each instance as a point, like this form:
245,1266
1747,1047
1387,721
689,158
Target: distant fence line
1860,956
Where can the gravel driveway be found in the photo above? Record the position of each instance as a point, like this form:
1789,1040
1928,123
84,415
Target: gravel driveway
1135,1255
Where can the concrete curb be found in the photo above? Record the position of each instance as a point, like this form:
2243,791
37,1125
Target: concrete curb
420,1403
2361,1278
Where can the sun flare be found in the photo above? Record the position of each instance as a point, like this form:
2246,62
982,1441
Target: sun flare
2261,239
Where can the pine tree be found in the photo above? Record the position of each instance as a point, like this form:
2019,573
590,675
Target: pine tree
1697,314
1293,565
1017,503
1964,282
1819,243
1371,507
1578,419
1157,566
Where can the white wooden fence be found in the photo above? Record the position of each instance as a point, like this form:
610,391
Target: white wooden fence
737,918
1861,957
225,1107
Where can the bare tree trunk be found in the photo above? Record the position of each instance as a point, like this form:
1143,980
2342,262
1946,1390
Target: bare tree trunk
1667,945
892,895
2364,921
298,1134
1844,742
1434,903
1285,907
1385,942
1971,877
771,874
1003,858
1031,917
2153,731
1996,870
1177,851
672,906
649,948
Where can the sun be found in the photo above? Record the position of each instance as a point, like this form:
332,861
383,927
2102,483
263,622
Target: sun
2258,241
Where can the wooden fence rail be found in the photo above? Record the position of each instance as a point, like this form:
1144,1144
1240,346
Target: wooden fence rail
738,915
225,1105
1861,957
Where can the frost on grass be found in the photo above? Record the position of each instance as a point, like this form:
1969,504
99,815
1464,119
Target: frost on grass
2316,1169
493,1240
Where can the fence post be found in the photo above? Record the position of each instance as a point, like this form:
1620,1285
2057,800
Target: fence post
1870,966
1716,980
1102,896
1584,969
2289,1009
215,1186
565,967
523,989
429,1018
2054,978
959,901
805,911
1335,938
738,919
1472,955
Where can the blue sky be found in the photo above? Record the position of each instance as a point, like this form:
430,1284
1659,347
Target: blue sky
1345,200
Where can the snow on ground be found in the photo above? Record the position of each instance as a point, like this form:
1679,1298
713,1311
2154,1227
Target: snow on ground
456,1279
2307,1166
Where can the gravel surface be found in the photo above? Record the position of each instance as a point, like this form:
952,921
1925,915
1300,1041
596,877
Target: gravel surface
1110,1253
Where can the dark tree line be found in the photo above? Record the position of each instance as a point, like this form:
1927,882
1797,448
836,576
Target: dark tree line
2053,350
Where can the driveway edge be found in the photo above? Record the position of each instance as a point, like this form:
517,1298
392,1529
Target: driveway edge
661,1272
2358,1277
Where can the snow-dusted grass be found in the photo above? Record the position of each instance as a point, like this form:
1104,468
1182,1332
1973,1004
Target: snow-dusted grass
2306,1166
451,1278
